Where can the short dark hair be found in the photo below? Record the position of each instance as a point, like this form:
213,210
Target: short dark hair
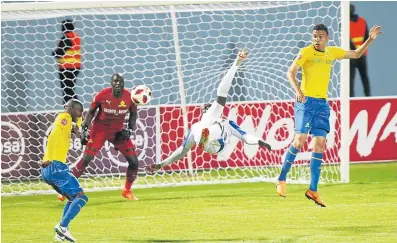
117,76
352,9
74,103
321,27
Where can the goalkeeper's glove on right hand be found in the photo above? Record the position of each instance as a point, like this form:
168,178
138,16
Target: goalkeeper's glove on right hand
85,134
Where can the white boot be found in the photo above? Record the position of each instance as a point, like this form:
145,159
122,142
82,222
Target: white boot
62,231
58,237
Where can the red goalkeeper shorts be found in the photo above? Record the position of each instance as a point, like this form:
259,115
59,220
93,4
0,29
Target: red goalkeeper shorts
99,135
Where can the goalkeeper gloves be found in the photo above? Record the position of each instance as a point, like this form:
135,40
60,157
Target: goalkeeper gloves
124,134
85,134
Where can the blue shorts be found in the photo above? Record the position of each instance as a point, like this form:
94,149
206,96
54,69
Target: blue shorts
312,116
58,175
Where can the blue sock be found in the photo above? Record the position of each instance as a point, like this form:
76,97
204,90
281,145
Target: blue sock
66,208
74,209
315,170
289,159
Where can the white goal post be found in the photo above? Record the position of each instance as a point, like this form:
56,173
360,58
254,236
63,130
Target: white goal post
180,50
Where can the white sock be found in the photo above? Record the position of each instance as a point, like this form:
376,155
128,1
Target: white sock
224,85
250,139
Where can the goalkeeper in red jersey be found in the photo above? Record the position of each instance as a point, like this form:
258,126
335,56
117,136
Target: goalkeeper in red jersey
112,104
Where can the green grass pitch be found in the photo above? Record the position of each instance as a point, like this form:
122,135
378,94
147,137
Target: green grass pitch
364,210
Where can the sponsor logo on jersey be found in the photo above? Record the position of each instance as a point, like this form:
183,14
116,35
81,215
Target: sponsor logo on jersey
114,111
122,104
108,101
64,122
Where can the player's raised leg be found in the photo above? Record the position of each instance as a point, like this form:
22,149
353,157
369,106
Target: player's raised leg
77,200
58,175
216,109
89,153
77,171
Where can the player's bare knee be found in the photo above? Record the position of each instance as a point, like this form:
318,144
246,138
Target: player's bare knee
319,144
297,144
299,141
319,148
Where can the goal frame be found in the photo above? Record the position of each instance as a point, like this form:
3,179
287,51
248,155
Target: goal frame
344,73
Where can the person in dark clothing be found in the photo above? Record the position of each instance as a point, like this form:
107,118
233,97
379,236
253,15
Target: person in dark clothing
358,34
68,57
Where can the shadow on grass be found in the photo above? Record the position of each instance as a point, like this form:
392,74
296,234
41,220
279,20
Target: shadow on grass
193,197
202,240
356,229
259,239
90,203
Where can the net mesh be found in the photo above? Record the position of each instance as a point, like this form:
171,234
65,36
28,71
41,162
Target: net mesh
140,42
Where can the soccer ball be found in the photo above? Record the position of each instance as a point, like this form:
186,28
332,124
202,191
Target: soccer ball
141,95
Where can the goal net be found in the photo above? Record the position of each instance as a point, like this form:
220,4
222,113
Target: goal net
181,52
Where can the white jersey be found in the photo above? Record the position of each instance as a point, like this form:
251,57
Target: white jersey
220,130
219,137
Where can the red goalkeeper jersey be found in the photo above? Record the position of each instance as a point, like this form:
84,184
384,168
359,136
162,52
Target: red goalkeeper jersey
112,110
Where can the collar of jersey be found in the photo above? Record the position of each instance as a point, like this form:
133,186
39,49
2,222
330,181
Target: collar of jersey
318,50
67,115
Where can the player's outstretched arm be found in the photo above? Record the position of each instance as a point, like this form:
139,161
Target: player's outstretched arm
175,156
178,154
89,116
354,54
87,121
95,104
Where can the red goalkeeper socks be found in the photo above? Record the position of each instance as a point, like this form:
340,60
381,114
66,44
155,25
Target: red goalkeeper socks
131,176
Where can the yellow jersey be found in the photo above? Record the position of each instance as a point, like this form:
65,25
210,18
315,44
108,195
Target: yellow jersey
59,140
316,69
